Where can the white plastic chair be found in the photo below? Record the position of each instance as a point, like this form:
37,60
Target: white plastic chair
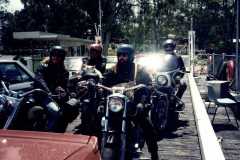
220,102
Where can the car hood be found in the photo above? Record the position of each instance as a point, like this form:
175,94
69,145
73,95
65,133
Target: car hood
28,145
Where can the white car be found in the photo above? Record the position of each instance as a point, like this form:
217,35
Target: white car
17,75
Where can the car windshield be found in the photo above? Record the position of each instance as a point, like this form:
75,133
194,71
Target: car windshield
12,73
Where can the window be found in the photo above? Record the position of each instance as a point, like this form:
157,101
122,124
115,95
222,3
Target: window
13,74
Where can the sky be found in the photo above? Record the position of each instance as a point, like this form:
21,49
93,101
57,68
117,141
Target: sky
15,5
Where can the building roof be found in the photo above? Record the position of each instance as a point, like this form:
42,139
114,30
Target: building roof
48,36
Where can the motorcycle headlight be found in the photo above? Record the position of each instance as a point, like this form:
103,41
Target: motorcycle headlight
115,104
162,80
177,76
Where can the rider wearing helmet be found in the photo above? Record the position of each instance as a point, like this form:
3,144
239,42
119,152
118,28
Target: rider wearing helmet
52,77
125,71
52,72
95,57
169,47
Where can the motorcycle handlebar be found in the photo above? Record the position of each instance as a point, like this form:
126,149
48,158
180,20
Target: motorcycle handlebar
5,87
112,89
105,88
20,95
139,86
33,91
121,88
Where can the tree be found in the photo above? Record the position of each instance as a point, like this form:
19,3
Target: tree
59,16
3,4
7,20
4,34
141,22
214,21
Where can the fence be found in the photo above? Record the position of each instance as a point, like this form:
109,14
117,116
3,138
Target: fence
200,64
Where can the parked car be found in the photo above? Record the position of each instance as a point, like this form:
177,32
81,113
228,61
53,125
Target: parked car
29,145
33,145
17,75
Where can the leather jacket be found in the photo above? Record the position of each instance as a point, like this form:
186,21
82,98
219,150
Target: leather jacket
51,76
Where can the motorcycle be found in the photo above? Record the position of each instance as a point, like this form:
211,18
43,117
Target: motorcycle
28,111
109,113
165,75
83,88
35,110
121,134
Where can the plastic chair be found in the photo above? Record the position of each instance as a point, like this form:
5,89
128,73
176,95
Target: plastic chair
215,97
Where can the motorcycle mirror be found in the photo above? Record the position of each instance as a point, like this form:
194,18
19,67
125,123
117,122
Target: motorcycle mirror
5,86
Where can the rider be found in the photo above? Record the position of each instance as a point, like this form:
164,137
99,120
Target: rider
52,73
96,58
125,71
169,46
52,77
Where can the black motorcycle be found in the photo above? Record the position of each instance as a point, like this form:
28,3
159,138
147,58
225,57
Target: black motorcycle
36,110
121,134
83,88
28,111
166,75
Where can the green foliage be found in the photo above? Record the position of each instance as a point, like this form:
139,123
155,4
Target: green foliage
213,21
3,4
6,29
59,16
142,22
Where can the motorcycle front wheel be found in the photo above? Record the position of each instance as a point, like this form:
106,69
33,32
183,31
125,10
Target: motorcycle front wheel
37,118
109,151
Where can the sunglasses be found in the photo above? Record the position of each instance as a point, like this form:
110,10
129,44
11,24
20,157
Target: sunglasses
123,54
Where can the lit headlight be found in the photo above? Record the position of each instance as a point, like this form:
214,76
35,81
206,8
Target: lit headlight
162,80
178,76
115,104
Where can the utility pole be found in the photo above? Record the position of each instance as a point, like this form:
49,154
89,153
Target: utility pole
191,47
237,47
100,18
1,28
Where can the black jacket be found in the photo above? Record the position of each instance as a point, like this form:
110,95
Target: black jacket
99,64
50,77
181,63
133,73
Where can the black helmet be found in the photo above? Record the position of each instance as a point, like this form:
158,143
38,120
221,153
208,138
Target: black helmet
58,51
169,45
126,48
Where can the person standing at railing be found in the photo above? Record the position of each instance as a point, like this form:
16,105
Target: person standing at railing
169,46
